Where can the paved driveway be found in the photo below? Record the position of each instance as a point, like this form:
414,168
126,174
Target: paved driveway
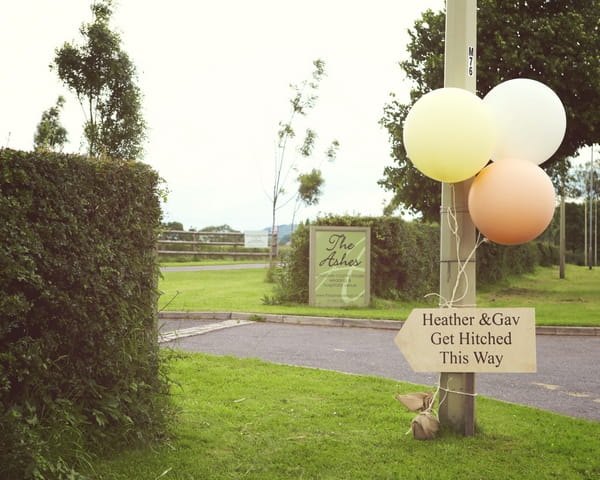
567,380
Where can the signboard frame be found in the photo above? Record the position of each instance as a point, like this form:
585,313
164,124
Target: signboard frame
256,239
332,261
491,340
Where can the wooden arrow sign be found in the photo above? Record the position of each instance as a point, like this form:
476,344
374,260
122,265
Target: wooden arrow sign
469,340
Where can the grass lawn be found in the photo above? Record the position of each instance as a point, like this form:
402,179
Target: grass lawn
211,262
243,290
249,419
572,301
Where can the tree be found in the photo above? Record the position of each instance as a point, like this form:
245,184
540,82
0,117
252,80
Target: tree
49,133
586,185
553,42
303,99
310,187
225,228
103,78
172,226
309,184
585,181
309,191
168,233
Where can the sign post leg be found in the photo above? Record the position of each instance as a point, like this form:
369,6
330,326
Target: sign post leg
457,402
457,232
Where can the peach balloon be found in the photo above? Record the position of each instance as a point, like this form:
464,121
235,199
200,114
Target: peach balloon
511,202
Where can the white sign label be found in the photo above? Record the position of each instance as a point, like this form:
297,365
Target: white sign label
470,61
256,239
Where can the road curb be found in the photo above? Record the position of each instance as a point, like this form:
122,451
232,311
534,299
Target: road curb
344,322
569,331
287,319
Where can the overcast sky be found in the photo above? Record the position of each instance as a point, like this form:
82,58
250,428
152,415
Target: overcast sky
215,78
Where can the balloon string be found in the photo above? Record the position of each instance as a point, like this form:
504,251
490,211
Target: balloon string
462,265
430,408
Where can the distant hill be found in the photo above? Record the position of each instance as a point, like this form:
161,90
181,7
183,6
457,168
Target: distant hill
284,231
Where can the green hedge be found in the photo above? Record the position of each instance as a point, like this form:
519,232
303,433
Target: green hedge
79,361
404,259
497,262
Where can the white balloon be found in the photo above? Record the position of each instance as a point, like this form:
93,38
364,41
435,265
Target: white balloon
530,120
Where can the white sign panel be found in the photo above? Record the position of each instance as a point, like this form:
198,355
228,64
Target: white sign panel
469,340
256,239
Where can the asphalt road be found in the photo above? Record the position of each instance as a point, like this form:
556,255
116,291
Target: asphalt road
567,380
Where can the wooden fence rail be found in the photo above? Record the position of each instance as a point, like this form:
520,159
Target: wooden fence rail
213,244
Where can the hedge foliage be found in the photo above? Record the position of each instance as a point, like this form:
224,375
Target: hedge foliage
497,262
79,361
404,259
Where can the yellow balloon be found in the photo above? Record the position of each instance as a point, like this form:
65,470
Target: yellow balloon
449,134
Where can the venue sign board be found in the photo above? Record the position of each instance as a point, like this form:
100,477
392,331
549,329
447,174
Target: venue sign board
339,273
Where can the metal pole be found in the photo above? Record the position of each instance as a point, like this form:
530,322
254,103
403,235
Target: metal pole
457,410
585,231
596,232
562,234
590,260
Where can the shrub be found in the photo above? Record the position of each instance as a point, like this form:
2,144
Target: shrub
404,259
549,254
497,262
403,263
79,361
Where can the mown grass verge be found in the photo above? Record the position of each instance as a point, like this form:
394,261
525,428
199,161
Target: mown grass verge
572,301
256,420
212,262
